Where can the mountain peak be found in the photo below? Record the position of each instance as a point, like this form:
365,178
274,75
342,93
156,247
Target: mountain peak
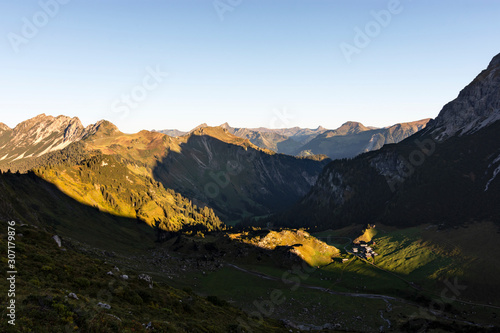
495,62
101,128
351,127
477,105
225,125
39,135
201,126
4,127
43,125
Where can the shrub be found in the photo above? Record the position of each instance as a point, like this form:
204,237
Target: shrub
82,282
217,301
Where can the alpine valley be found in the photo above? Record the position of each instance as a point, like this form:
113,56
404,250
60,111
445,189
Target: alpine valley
223,229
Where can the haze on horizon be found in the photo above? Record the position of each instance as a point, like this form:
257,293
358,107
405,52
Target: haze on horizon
251,64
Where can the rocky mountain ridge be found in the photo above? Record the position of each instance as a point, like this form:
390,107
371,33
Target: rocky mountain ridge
477,105
38,136
349,140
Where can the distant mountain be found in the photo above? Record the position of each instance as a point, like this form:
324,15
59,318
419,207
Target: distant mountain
349,140
296,134
285,140
353,138
175,132
444,174
268,140
172,132
38,136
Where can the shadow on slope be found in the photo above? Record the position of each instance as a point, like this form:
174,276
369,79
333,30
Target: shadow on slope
29,199
236,181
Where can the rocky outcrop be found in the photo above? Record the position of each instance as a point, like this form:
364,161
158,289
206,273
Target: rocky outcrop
477,105
4,128
44,134
38,136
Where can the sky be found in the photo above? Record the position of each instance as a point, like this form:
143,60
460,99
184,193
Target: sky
167,64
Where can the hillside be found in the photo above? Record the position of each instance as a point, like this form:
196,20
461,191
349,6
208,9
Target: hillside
235,177
235,267
69,289
112,185
213,167
309,249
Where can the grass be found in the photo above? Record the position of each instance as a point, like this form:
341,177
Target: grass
306,247
367,235
48,274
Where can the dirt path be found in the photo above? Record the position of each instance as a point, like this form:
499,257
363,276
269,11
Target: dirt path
302,285
364,295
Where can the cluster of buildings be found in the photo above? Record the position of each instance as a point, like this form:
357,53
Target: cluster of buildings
363,250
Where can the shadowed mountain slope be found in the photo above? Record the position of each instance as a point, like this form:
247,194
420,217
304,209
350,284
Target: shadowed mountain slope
446,173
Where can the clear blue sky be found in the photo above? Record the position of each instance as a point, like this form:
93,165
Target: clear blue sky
264,57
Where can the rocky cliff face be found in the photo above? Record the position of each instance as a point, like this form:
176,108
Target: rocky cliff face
477,105
38,136
395,134
4,128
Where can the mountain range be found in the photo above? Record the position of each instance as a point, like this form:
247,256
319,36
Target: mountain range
210,166
347,141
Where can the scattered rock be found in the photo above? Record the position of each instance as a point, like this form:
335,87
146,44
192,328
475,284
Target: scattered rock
73,295
148,279
57,239
125,277
110,273
104,305
111,254
112,315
